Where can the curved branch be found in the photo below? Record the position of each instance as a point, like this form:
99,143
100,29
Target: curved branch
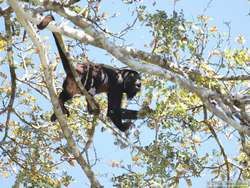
44,61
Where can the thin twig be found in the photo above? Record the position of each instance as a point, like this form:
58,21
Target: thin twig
218,142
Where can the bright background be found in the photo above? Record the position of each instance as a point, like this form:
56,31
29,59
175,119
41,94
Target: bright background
221,11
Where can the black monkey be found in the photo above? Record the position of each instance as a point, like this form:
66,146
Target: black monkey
98,78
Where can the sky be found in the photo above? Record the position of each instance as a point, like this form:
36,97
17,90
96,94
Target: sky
221,11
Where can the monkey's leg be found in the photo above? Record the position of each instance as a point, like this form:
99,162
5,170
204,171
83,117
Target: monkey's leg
93,111
96,111
63,97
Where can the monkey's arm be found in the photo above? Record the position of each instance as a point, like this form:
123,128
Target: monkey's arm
129,114
114,110
145,111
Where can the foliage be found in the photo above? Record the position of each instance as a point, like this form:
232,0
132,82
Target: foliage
168,146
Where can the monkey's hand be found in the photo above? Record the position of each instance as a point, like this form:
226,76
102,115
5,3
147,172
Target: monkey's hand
95,111
53,118
145,111
126,126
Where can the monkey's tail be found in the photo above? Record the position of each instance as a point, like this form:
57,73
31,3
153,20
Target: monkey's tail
59,43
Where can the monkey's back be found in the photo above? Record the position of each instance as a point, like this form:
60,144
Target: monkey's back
95,78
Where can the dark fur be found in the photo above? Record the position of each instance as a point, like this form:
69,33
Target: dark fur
98,78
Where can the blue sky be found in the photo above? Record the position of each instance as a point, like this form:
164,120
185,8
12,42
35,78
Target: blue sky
221,11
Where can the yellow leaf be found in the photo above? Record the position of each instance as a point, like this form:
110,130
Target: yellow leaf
85,12
213,29
183,144
240,39
27,61
2,44
196,139
115,163
204,18
135,158
105,15
189,182
5,174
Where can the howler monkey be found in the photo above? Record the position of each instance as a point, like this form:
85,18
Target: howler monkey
98,78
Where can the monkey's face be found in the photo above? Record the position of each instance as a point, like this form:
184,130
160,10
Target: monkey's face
132,84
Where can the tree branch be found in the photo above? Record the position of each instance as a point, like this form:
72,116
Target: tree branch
44,61
218,142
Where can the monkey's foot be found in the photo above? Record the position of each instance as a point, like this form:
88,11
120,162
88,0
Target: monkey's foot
53,118
145,112
93,111
125,126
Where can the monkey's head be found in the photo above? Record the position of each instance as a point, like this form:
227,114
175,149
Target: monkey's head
131,83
